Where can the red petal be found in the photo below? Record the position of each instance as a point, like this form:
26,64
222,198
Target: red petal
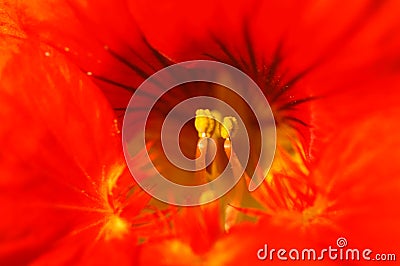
356,194
362,187
343,54
61,156
100,37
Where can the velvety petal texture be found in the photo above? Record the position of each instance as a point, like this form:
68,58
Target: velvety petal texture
64,185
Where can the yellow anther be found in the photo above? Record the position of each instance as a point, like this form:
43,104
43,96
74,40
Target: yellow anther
210,124
229,127
204,123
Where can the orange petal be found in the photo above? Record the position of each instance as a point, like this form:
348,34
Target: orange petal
60,159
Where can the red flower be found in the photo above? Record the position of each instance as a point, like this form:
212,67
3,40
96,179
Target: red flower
329,70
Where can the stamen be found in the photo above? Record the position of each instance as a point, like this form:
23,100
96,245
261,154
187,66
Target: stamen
208,125
229,127
204,123
211,127
205,126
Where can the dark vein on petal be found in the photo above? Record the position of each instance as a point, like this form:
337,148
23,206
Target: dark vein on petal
296,120
359,22
159,56
274,65
213,57
249,45
225,50
126,62
294,103
123,86
244,63
216,58
141,58
288,85
115,83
